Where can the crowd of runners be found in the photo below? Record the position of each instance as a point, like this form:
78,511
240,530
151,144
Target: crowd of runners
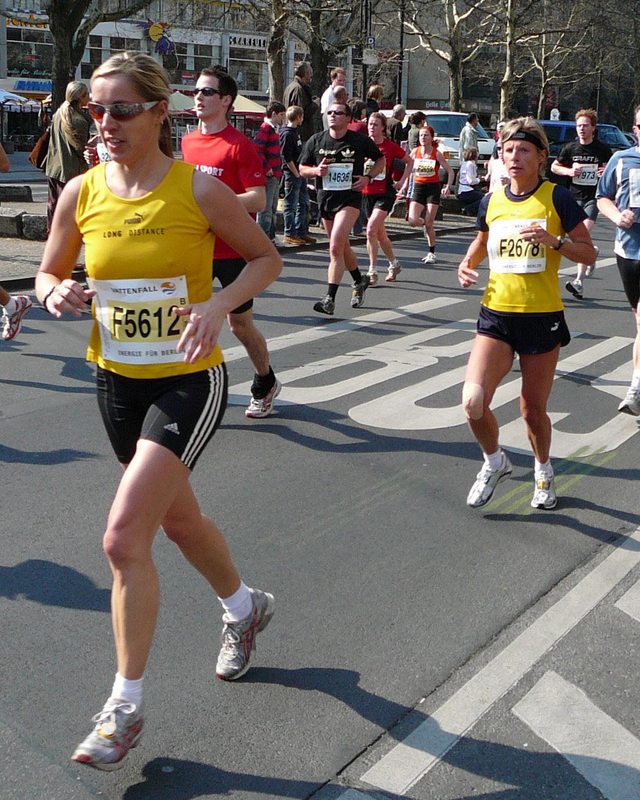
161,377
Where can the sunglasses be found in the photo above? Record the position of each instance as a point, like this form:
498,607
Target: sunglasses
337,113
209,91
121,112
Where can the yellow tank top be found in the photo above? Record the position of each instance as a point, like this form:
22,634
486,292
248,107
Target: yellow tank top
143,257
524,275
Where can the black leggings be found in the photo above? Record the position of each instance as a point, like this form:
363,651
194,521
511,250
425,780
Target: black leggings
629,270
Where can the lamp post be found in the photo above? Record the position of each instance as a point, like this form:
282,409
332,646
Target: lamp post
401,54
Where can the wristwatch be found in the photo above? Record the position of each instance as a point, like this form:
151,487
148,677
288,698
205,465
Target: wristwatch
561,240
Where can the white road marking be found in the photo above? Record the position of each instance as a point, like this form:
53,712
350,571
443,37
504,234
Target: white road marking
605,753
630,604
411,759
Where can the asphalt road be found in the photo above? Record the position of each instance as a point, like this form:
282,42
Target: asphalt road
419,649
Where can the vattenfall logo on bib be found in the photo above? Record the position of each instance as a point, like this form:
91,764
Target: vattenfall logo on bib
136,219
168,287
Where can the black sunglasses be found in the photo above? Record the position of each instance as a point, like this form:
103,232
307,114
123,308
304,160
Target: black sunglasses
121,112
337,113
209,91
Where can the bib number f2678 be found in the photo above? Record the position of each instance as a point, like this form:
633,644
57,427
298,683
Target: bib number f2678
510,253
137,320
338,178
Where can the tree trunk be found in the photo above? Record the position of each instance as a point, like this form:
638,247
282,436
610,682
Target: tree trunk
506,84
455,82
276,49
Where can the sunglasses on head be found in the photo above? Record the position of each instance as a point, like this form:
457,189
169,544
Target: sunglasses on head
121,112
208,91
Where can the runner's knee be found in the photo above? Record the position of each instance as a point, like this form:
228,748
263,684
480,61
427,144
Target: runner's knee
473,400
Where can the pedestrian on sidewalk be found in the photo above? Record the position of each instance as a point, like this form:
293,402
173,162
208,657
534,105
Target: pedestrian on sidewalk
161,378
296,194
70,133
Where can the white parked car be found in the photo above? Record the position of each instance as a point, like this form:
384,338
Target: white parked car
447,125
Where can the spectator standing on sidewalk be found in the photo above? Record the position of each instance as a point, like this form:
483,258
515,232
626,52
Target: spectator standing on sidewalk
13,308
298,93
70,130
469,135
338,78
267,142
395,128
296,195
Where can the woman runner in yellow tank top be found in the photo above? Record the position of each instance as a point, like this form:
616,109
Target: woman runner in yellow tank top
522,227
148,225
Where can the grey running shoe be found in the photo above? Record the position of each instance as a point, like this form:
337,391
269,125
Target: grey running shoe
118,728
263,406
239,638
486,481
575,287
430,258
359,288
631,403
325,306
11,322
544,493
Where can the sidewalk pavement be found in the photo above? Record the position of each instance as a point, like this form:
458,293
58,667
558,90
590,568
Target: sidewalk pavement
20,258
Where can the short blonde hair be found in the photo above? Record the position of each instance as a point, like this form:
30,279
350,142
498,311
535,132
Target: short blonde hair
530,130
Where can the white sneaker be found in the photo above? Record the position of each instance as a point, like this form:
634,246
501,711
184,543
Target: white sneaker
394,270
486,481
631,403
430,258
373,278
544,493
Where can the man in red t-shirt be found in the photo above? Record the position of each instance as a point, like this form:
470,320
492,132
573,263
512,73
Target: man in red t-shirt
219,149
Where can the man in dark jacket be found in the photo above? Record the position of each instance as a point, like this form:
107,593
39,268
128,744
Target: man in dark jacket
298,93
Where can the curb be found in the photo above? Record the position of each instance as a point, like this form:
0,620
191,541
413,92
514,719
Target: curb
27,283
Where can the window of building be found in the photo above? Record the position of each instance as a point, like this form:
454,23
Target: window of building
92,57
249,68
177,62
29,52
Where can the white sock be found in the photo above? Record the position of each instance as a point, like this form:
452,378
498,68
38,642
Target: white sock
238,606
543,469
494,460
124,689
11,306
393,263
635,379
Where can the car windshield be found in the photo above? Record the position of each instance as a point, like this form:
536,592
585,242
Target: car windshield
452,124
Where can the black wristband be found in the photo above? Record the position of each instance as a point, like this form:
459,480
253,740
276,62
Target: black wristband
47,296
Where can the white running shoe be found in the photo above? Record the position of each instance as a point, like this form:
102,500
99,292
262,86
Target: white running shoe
394,270
591,267
430,258
373,278
544,493
486,481
631,403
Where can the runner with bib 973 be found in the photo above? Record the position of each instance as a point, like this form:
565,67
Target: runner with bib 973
523,228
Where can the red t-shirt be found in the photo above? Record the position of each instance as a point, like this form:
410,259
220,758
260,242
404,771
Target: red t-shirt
425,166
232,158
383,183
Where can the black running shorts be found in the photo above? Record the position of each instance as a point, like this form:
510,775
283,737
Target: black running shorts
226,270
180,413
629,270
527,334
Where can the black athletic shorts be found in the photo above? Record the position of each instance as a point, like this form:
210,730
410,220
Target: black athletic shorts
383,201
629,270
590,207
226,270
329,203
526,334
180,413
427,193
